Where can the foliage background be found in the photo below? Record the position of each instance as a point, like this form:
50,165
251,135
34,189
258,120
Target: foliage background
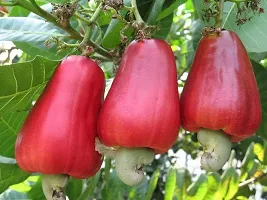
174,175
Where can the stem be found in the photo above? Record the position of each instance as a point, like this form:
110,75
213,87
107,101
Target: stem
219,17
77,16
86,40
136,13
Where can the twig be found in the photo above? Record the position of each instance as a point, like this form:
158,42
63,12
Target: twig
252,180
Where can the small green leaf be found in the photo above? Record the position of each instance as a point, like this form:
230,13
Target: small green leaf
165,26
90,186
171,7
214,184
152,185
74,188
114,188
10,174
170,184
36,192
154,11
183,180
261,74
247,162
112,36
198,189
230,181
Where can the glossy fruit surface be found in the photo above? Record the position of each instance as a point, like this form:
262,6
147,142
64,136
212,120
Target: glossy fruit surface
58,136
221,91
142,106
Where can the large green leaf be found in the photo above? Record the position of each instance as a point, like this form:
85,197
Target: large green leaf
21,82
9,126
252,33
10,173
26,29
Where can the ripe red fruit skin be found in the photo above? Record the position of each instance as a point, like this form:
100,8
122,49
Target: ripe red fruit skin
142,106
221,91
58,136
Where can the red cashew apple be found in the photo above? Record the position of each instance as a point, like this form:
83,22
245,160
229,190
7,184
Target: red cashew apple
140,115
58,136
220,99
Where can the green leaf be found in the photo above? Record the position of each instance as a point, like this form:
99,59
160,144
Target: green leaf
261,74
170,184
252,33
196,28
21,82
90,186
198,189
154,11
34,49
114,188
165,26
12,194
244,193
229,187
138,192
26,29
183,180
10,173
74,188
172,7
10,124
152,184
214,184
17,11
265,154
36,192
112,37
247,162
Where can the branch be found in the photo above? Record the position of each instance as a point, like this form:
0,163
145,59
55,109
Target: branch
33,7
252,180
86,40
